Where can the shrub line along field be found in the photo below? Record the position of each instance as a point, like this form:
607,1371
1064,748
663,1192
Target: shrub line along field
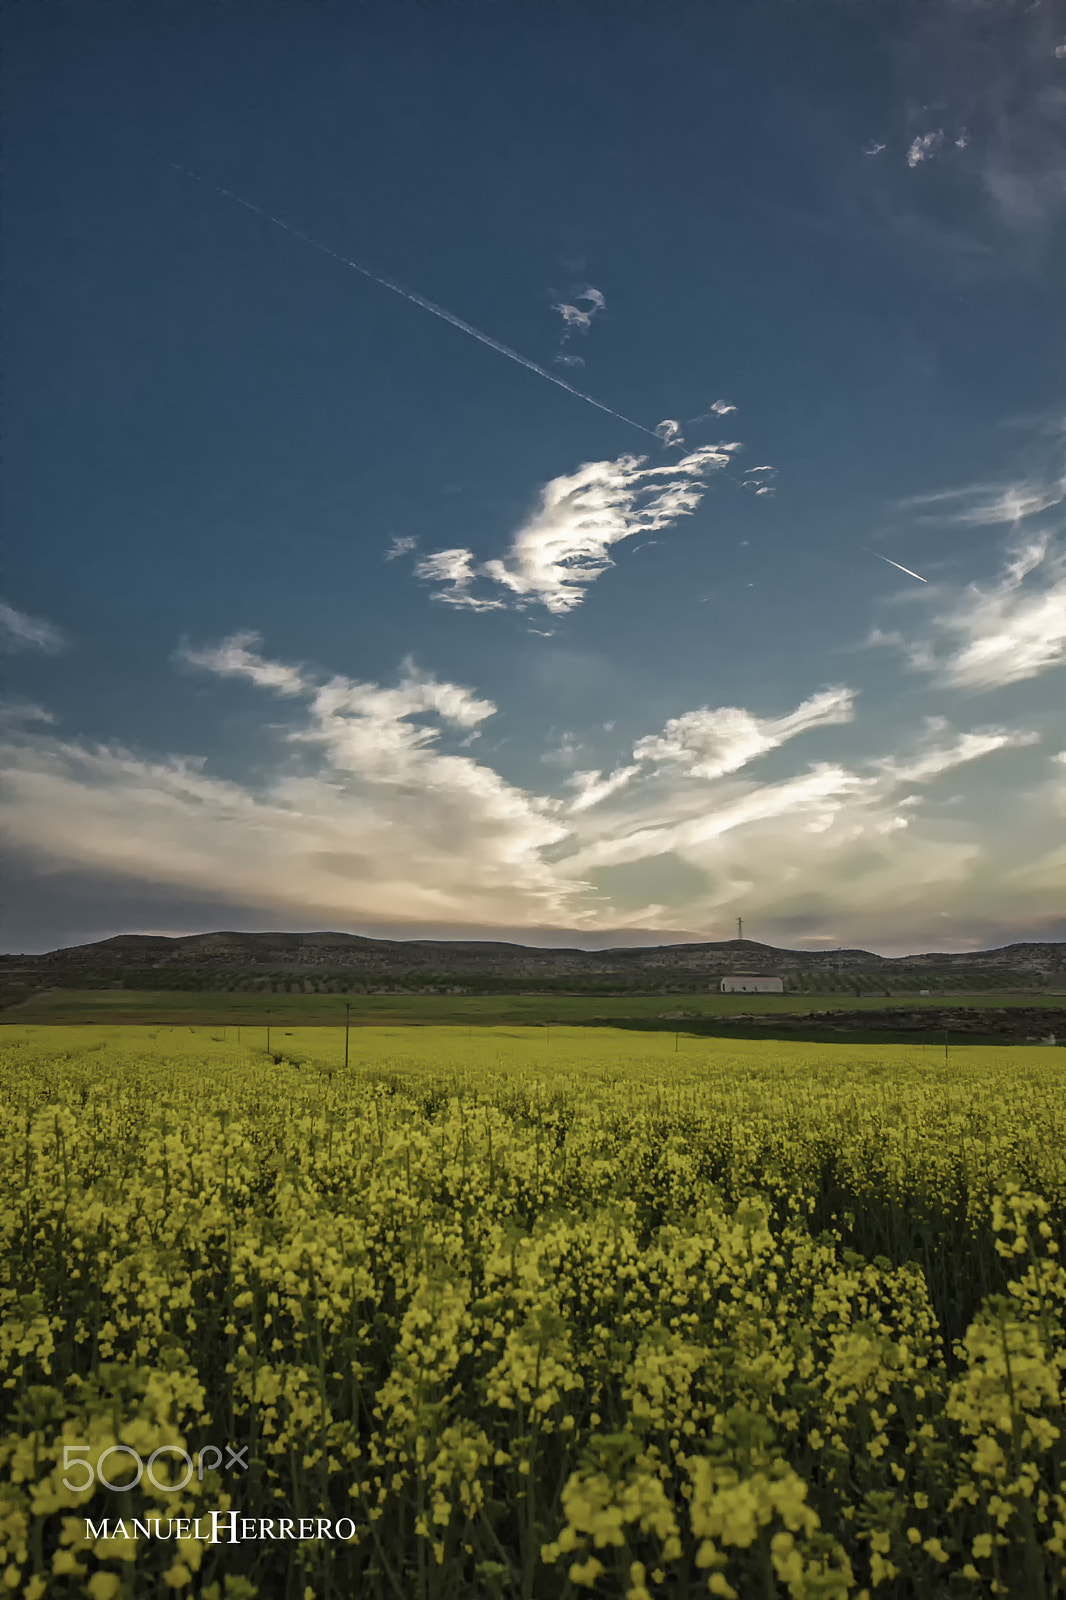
617,1315
206,1008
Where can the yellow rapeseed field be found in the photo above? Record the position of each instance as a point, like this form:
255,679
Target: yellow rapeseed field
488,1315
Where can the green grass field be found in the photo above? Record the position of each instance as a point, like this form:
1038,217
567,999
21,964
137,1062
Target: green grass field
434,1049
76,1006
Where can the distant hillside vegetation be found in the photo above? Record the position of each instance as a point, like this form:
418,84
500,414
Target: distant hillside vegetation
349,963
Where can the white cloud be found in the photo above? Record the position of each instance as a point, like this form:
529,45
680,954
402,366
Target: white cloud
669,432
874,149
455,567
578,318
402,545
1013,630
385,827
935,757
562,548
750,481
816,793
924,147
234,659
366,819
981,505
573,317
564,360
718,408
592,787
565,753
24,711
1005,632
20,631
1060,52
710,743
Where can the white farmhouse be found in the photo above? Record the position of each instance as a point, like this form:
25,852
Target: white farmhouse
753,986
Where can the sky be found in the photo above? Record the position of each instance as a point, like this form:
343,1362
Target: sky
574,474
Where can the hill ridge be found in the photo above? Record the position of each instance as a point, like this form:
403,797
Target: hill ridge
227,947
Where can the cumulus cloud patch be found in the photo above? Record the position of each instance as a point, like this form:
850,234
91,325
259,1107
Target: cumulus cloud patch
368,816
447,836
924,147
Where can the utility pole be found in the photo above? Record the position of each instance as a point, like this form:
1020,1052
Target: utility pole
740,927
347,1023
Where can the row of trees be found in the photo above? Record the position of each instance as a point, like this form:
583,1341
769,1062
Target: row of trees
338,981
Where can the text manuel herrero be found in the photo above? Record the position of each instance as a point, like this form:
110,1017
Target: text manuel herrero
222,1527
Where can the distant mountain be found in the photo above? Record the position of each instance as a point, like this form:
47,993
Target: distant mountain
349,961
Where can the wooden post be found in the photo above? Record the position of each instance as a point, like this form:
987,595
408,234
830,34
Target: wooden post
347,1024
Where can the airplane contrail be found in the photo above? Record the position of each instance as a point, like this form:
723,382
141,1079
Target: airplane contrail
896,564
416,299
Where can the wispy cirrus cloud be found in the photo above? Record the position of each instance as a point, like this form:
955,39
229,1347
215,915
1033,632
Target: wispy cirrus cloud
761,479
999,633
402,545
456,569
669,432
1010,630
934,756
21,631
15,711
577,319
562,548
717,408
1015,627
983,505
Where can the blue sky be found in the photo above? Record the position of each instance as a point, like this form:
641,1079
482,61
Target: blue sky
321,612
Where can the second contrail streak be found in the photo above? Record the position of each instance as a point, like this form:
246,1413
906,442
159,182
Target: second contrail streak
898,568
416,299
